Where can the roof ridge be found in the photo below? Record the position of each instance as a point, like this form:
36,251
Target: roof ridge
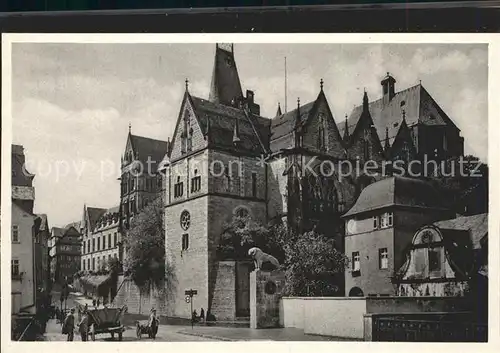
228,107
395,94
148,138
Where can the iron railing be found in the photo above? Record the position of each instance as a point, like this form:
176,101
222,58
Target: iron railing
404,330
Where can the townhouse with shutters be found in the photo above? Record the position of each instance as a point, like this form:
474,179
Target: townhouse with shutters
226,160
28,241
64,251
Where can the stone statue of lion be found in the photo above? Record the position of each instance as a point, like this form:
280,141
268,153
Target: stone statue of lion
260,258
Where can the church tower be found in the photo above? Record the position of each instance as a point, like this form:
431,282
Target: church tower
226,87
209,180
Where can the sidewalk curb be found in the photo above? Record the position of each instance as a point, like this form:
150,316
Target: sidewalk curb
219,338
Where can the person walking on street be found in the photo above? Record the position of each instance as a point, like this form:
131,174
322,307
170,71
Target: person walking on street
93,302
153,323
97,302
202,315
69,325
83,325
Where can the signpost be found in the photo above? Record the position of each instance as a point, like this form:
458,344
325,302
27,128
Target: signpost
189,299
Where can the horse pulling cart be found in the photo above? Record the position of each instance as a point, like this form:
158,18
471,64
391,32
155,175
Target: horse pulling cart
106,320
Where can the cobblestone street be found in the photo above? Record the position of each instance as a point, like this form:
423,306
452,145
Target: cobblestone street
166,333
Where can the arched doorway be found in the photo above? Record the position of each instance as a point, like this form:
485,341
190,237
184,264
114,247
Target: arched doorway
356,292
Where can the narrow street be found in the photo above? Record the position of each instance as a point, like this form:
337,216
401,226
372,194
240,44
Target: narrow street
166,333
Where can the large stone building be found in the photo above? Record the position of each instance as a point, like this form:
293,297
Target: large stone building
101,238
64,251
25,226
140,181
226,159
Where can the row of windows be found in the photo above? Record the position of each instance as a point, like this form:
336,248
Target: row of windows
65,258
86,244
196,184
383,260
100,262
383,221
130,184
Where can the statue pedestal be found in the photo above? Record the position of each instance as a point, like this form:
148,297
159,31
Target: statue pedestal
265,293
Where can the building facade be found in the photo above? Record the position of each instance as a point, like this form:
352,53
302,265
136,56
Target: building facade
42,270
380,227
225,159
25,226
101,238
140,181
444,257
65,252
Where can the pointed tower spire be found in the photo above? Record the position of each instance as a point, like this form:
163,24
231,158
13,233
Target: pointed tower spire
236,133
187,84
225,87
278,112
129,127
297,117
365,101
298,133
169,145
387,145
346,129
321,84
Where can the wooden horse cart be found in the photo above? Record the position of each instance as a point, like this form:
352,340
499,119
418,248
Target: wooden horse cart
106,320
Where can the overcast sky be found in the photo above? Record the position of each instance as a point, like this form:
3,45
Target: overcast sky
74,102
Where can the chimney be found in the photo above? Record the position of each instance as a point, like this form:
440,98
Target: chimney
250,96
250,101
388,88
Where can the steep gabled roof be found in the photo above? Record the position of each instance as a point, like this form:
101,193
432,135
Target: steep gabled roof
57,232
147,147
75,225
220,121
476,225
285,124
396,191
94,214
44,224
415,99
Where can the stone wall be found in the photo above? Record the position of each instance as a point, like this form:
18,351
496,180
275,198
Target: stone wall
190,265
137,302
224,296
346,317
